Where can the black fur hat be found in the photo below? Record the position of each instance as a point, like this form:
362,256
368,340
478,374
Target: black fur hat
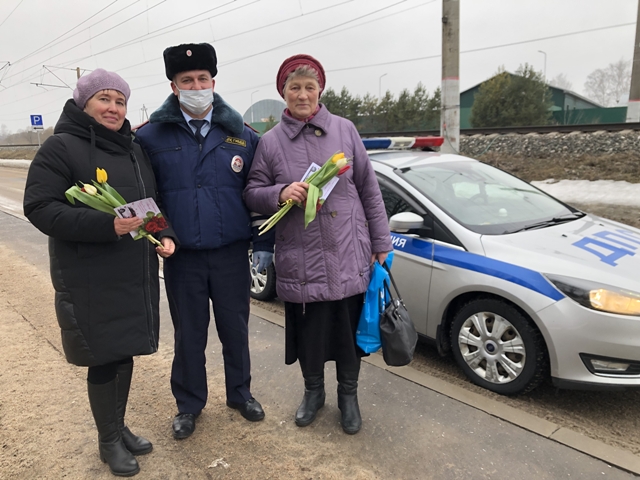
190,56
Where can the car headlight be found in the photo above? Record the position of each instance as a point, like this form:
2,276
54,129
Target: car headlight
598,296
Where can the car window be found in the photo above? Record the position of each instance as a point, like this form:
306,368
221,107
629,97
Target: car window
483,198
394,203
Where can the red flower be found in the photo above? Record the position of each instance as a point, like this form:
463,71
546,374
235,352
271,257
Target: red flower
318,206
155,225
343,169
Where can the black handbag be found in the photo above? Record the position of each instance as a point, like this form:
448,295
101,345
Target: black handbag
397,332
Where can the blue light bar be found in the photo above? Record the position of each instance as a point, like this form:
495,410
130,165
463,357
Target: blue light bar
376,143
401,143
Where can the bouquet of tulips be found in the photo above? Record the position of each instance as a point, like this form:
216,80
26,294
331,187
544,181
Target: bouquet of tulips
334,167
101,196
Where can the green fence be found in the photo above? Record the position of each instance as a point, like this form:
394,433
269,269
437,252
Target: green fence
380,123
590,115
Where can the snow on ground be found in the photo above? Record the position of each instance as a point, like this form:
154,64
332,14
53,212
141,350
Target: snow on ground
600,191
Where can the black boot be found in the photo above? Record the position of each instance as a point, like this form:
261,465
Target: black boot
348,400
313,399
102,399
135,444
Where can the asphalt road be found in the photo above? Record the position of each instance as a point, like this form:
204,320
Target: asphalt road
12,182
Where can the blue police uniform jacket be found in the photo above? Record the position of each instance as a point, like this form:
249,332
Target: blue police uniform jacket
200,186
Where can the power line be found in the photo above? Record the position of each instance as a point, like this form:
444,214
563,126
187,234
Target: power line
109,29
231,36
289,43
430,57
491,47
92,38
68,31
131,42
157,34
16,7
313,34
550,37
126,43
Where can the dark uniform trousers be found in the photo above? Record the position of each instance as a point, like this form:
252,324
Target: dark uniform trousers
192,278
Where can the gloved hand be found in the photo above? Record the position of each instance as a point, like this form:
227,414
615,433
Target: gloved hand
261,260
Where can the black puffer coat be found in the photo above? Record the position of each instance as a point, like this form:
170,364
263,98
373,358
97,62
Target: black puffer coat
107,288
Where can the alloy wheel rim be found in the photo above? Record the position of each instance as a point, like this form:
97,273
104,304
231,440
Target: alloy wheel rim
258,282
492,347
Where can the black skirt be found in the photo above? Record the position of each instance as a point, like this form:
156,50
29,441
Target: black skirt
326,331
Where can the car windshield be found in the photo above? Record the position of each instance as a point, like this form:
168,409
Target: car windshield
487,200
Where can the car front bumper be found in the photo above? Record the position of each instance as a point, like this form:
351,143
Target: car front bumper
571,330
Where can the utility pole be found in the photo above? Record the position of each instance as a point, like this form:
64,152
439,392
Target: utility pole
48,69
633,107
450,113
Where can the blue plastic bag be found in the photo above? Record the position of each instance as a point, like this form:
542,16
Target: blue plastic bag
375,299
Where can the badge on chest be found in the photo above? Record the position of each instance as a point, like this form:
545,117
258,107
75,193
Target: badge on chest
237,163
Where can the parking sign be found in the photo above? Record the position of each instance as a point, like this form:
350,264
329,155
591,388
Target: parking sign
36,121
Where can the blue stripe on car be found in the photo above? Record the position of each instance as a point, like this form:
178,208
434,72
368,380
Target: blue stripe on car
470,261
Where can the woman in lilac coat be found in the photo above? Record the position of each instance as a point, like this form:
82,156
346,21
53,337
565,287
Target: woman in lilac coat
323,270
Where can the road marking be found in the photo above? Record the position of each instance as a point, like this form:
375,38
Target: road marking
11,207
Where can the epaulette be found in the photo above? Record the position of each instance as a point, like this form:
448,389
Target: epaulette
133,129
245,124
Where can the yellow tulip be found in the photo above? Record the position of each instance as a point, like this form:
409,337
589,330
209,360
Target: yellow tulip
336,157
90,189
341,162
101,175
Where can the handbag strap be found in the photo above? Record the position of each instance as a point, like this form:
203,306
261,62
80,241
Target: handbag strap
395,286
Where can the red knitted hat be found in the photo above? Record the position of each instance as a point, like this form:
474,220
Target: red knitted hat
291,63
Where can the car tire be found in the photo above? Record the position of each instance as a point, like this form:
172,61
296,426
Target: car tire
508,356
263,284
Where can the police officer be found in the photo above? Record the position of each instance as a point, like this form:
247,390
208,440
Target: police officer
201,151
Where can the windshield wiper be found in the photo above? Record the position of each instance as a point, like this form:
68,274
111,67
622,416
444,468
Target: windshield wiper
569,217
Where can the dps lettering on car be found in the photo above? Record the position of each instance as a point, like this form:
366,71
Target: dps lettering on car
237,163
603,244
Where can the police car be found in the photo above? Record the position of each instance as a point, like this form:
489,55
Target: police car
516,284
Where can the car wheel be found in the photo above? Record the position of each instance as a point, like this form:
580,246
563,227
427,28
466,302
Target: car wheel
263,284
498,347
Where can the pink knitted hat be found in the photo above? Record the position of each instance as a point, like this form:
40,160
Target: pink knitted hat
97,81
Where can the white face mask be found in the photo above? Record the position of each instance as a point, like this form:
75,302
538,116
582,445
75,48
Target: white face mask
196,101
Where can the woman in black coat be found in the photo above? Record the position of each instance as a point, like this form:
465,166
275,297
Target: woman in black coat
106,284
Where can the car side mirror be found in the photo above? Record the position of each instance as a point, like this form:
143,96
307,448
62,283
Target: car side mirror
409,222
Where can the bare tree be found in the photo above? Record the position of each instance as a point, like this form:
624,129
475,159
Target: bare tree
4,132
561,81
608,86
620,73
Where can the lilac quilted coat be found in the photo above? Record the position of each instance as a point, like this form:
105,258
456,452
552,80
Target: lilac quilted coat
330,259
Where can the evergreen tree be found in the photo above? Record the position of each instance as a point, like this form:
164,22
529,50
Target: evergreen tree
411,111
508,100
330,100
271,122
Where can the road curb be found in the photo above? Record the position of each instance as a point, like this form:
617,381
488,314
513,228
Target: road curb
22,164
617,457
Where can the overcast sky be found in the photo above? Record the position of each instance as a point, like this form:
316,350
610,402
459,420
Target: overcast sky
363,44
